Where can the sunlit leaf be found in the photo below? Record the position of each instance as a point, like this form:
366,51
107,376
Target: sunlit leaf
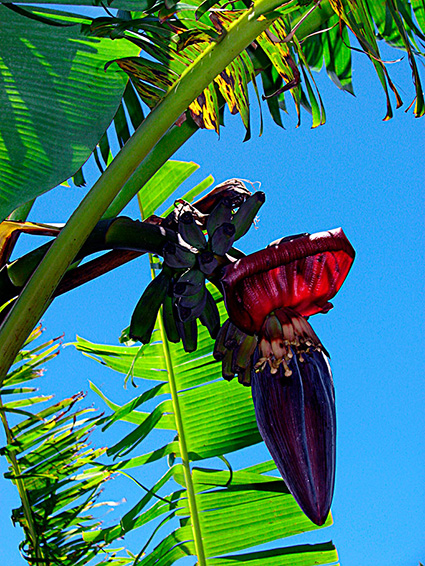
164,183
57,102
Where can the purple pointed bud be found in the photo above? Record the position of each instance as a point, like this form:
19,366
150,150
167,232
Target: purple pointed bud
296,418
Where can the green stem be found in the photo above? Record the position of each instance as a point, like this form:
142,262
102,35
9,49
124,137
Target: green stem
191,496
120,233
126,238
38,292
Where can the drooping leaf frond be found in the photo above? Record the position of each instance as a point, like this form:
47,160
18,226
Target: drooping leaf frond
286,49
47,452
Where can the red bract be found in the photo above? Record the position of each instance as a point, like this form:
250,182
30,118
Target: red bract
302,274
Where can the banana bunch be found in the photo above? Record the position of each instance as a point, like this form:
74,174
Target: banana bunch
189,262
235,349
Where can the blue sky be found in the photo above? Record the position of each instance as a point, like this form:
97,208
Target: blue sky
368,177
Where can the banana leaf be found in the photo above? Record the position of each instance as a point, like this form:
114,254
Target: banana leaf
48,455
57,102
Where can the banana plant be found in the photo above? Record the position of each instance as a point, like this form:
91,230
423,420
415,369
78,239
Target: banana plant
211,418
195,58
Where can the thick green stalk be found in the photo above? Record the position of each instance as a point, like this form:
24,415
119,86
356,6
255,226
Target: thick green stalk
120,233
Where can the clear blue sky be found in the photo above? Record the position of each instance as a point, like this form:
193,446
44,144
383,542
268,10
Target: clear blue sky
368,177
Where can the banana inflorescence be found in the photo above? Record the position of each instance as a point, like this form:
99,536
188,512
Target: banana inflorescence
267,342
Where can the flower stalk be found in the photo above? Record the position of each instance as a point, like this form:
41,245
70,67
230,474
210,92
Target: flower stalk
119,234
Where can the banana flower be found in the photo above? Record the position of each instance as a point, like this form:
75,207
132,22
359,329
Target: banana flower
269,344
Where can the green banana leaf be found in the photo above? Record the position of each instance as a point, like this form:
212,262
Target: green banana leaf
57,102
163,184
220,512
